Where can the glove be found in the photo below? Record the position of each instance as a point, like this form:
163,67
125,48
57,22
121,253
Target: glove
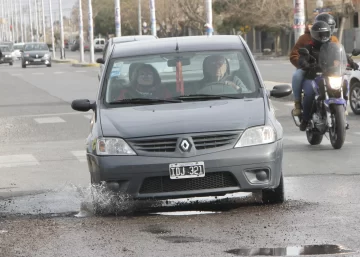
303,64
354,65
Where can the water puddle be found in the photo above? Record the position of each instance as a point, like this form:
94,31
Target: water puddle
84,202
292,251
184,213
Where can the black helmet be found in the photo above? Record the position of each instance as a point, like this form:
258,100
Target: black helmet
329,19
320,32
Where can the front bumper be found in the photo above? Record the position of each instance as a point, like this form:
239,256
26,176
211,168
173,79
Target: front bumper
34,61
225,172
6,60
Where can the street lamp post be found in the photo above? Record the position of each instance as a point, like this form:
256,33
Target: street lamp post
81,33
139,17
31,23
62,47
52,29
43,20
153,17
117,19
91,33
299,18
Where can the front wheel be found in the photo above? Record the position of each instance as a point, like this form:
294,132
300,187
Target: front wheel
10,63
338,130
275,195
355,98
23,66
314,138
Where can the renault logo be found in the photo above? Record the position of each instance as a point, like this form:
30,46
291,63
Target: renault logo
185,145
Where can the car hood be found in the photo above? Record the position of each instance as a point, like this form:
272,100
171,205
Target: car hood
37,52
182,118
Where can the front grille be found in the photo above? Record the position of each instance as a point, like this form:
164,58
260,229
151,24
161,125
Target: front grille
210,181
34,56
214,140
155,145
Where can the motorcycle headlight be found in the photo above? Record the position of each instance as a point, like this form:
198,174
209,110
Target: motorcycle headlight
257,136
335,82
113,146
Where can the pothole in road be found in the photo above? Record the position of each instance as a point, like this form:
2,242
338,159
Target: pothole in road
292,251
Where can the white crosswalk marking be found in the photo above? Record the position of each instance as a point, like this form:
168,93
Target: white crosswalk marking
9,161
80,155
49,120
59,72
81,71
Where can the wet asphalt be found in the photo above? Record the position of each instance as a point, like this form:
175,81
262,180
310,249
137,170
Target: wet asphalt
45,205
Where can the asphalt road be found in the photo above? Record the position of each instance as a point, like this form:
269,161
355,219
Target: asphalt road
44,185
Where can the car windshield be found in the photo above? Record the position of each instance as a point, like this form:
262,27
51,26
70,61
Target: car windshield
18,47
5,49
175,76
36,47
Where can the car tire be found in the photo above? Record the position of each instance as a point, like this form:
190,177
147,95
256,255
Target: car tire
23,66
354,88
275,195
10,63
48,65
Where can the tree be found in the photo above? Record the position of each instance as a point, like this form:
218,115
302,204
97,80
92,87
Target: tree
274,16
194,14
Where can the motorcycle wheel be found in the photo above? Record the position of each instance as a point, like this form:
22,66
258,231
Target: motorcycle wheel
355,98
314,138
338,130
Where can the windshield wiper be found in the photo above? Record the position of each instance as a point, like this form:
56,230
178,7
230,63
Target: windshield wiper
206,97
145,101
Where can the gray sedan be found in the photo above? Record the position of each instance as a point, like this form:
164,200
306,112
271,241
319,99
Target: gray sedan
201,124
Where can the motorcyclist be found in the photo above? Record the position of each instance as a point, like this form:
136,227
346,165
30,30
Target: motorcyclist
304,40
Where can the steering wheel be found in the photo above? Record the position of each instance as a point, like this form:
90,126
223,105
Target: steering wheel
218,88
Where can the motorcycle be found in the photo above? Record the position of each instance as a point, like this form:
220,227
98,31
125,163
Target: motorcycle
331,93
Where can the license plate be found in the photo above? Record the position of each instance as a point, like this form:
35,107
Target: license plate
187,170
37,60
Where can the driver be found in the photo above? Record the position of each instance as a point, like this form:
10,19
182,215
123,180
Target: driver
216,69
145,83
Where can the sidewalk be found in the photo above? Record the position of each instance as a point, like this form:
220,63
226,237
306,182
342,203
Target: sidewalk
75,63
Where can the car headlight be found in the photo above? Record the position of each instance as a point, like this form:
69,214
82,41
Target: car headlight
257,136
7,56
113,146
335,82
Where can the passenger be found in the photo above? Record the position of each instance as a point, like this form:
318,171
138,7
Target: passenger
145,83
217,69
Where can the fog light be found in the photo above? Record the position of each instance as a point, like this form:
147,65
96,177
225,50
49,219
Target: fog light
261,175
27,62
113,186
46,62
258,176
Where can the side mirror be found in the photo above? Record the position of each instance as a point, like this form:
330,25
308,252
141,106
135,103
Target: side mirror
281,91
83,105
356,52
303,51
100,60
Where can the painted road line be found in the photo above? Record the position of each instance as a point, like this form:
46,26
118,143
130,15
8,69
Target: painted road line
37,73
59,72
80,155
81,71
47,114
21,160
49,120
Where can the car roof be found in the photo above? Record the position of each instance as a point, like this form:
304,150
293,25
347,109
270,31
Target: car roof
184,44
125,39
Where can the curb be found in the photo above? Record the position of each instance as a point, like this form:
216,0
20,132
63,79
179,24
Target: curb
85,65
64,61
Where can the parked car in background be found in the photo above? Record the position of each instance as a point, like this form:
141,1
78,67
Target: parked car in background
9,44
7,56
118,40
190,134
35,54
99,44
